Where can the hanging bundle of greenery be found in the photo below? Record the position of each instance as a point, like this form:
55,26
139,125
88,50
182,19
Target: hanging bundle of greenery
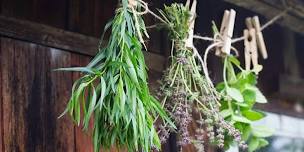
114,91
186,90
240,95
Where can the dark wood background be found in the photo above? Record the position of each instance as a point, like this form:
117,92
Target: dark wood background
31,95
37,36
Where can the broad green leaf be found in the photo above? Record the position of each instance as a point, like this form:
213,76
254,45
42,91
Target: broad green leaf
253,144
262,131
241,104
220,86
247,77
260,98
225,113
249,96
262,143
235,94
253,115
241,119
246,132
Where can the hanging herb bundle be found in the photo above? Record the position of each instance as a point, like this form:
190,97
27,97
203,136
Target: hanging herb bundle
241,94
114,90
186,90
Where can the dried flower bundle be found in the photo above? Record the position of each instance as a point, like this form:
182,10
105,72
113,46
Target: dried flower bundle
185,89
114,90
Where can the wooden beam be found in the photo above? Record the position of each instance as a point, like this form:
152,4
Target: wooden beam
293,20
61,39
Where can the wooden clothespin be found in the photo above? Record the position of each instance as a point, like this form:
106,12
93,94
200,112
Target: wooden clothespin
250,43
132,3
248,22
187,4
227,29
218,51
247,50
189,40
260,38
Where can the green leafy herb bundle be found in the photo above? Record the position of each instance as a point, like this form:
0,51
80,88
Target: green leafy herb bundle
113,89
185,90
240,95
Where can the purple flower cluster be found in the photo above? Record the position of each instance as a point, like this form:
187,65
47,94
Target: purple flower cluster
182,118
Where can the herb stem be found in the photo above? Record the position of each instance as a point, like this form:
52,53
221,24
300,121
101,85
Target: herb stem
224,72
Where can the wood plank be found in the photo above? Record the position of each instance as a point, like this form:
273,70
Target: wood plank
86,10
33,73
61,39
1,103
52,12
61,83
104,11
33,98
17,95
9,97
19,9
7,55
47,36
295,23
82,139
81,16
41,11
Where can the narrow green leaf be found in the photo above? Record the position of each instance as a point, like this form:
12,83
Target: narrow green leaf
77,69
234,60
102,92
91,107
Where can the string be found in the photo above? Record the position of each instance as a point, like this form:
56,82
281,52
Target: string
275,18
147,10
217,39
267,24
235,40
218,42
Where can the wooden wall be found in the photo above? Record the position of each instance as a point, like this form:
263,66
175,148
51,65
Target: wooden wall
82,16
37,36
86,17
32,96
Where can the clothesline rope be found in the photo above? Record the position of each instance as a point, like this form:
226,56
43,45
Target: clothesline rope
217,39
267,24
